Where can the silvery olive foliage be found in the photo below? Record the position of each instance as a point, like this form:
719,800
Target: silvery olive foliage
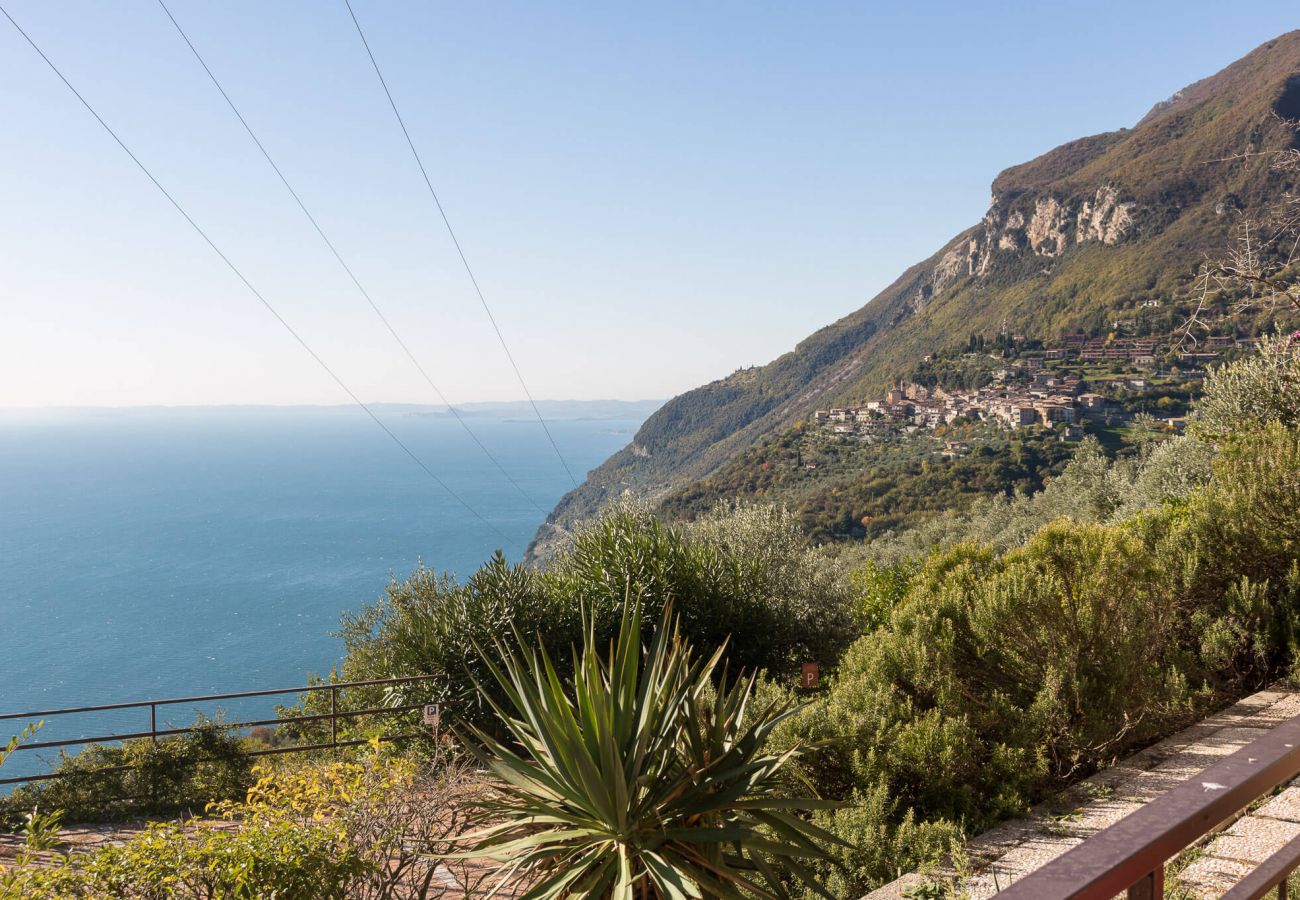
1250,392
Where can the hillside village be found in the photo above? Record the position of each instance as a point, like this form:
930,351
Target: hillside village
1038,388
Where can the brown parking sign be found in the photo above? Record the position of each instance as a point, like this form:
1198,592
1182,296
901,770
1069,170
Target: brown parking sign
811,675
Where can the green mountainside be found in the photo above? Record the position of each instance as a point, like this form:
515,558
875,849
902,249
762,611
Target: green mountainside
1082,235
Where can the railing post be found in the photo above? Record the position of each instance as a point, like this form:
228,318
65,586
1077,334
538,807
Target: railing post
1151,887
153,738
334,718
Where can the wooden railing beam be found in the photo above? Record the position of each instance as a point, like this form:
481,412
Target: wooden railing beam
1131,854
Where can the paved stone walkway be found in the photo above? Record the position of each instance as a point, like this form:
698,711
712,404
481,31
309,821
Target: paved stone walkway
74,839
1015,848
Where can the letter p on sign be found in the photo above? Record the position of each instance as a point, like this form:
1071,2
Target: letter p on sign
432,715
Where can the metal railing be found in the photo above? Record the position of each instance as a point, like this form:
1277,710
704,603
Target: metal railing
334,716
1130,855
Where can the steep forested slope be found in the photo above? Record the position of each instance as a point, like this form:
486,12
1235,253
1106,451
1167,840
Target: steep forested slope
1086,230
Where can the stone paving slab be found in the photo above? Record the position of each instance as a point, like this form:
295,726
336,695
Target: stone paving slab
1014,865
1250,840
1210,876
1189,762
1285,805
1015,848
1253,839
76,839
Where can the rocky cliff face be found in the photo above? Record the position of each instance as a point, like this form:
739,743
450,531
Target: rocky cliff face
1041,225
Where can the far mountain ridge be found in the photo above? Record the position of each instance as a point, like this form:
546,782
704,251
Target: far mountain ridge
549,409
557,409
1072,238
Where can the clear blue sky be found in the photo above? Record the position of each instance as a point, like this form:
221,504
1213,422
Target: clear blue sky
653,194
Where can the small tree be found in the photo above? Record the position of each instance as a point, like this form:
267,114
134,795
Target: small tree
1249,393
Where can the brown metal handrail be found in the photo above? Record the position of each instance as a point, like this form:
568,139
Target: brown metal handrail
154,732
1131,854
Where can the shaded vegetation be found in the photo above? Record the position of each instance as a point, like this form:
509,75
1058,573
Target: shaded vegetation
862,490
742,576
175,775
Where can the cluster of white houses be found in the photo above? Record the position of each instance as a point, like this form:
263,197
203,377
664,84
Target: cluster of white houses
1027,392
1046,400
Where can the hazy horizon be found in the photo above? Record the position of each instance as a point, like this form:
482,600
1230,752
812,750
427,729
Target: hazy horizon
460,405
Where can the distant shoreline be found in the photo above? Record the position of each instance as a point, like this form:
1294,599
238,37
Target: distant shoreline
581,410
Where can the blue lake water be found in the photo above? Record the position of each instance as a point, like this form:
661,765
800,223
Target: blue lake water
168,552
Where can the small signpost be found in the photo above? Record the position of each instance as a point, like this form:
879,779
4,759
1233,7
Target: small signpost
810,679
432,716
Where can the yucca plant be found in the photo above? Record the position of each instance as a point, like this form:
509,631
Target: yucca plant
639,779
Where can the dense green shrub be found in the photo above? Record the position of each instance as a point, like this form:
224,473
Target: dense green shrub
431,624
141,777
881,586
1092,488
1246,519
882,841
1001,675
743,574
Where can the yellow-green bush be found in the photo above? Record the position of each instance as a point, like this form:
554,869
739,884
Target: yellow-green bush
304,832
285,848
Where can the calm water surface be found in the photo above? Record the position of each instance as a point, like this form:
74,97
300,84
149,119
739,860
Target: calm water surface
156,553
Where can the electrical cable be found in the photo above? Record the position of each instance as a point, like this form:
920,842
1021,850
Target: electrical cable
456,242
343,263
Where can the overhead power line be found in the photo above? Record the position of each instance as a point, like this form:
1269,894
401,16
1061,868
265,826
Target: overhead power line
456,242
248,284
343,263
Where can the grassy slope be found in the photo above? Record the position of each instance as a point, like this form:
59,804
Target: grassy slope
1173,165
